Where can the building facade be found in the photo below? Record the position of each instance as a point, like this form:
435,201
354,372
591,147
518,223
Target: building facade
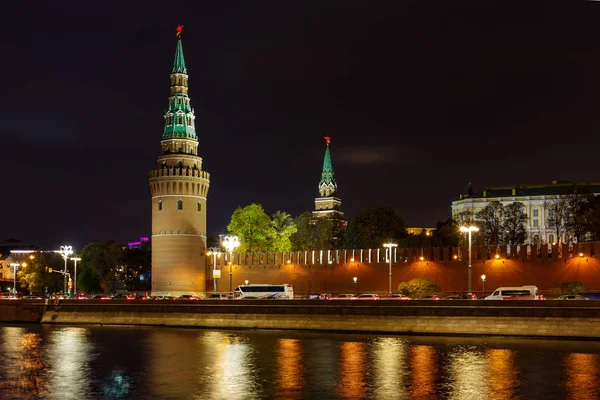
533,198
328,204
179,188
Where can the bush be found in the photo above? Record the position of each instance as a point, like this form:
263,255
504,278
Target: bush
574,287
418,287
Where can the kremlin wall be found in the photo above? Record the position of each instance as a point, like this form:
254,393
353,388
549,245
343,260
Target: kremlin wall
333,271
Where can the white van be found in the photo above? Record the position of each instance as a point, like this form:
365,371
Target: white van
529,292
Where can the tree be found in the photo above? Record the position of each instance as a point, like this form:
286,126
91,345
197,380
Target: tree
318,233
34,275
99,263
557,209
351,241
284,227
515,218
135,262
253,227
418,287
377,225
576,218
574,287
490,220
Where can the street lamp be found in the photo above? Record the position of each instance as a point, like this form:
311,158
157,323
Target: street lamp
482,285
65,252
15,267
230,243
469,229
215,253
390,246
75,287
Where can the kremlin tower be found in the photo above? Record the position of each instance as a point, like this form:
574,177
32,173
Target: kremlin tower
179,188
327,204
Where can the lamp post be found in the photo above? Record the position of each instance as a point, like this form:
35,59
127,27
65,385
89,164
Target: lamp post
482,285
65,252
469,230
215,253
15,267
230,243
75,259
390,246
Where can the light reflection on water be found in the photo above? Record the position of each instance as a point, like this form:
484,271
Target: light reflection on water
62,362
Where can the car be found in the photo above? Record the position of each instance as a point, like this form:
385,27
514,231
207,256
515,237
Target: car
367,296
461,297
123,296
345,296
217,296
188,297
31,298
164,298
313,296
148,297
429,297
572,297
325,296
399,296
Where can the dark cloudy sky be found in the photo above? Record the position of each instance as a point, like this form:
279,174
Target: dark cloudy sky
419,97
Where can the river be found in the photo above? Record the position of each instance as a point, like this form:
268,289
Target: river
115,362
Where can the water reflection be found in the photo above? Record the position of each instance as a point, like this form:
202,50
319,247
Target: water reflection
69,354
582,376
503,373
468,373
352,369
389,357
54,362
423,366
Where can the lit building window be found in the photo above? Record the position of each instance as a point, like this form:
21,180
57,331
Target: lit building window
180,204
160,205
536,212
536,223
199,206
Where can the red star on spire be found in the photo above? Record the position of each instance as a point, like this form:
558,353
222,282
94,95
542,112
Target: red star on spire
327,139
178,30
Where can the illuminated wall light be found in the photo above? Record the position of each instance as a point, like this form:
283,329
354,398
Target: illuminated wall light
455,257
497,256
422,258
352,259
581,255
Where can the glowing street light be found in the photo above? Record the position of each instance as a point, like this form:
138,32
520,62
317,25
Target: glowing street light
65,252
246,281
469,230
230,243
482,285
75,259
390,246
15,267
215,253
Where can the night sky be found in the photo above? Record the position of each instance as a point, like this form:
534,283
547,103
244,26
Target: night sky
419,98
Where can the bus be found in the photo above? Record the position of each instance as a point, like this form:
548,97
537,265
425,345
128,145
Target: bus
529,292
263,291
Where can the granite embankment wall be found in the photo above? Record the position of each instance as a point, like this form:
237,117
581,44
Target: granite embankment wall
333,271
566,319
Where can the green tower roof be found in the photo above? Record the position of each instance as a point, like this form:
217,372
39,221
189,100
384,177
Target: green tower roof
179,63
327,176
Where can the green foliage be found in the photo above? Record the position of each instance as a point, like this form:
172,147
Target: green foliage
284,227
99,267
135,262
377,225
318,233
574,287
418,287
35,277
253,227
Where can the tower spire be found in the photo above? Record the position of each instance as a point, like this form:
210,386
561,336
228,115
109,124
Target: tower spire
327,185
179,63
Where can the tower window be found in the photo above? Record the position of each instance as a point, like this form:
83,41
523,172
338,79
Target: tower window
199,206
160,205
180,204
